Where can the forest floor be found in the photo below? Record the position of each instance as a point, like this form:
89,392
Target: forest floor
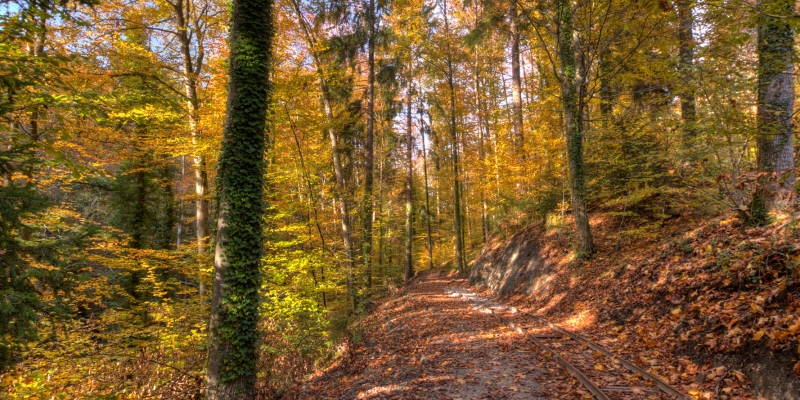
429,343
710,307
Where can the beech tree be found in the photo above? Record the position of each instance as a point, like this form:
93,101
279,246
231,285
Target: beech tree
233,328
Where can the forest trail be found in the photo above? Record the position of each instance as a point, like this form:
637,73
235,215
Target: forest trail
435,342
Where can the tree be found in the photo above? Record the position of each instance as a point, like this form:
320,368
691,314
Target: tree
686,62
422,134
458,222
369,167
233,327
21,303
775,139
573,127
516,79
190,23
327,109
409,267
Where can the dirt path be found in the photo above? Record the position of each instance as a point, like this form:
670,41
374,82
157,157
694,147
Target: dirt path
430,344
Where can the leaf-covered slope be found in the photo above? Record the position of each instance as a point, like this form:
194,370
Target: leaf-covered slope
707,295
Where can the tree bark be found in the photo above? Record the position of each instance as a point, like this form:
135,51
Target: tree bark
481,153
573,127
409,267
191,69
686,53
516,81
369,161
427,196
608,92
233,327
457,220
775,144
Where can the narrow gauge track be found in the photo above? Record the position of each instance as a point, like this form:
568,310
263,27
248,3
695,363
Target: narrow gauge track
588,362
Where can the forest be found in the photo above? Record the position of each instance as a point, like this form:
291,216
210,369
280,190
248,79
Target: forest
210,199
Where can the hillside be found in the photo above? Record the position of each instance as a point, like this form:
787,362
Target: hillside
715,295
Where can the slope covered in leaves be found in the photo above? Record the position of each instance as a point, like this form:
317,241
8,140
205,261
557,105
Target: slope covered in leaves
720,301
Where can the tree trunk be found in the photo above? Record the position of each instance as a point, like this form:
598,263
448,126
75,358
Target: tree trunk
341,189
181,194
775,107
190,71
427,196
409,267
369,167
233,328
573,126
457,220
201,211
481,155
686,53
607,92
381,221
516,81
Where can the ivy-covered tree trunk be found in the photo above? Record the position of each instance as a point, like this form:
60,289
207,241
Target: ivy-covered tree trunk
775,106
574,133
233,329
409,267
686,53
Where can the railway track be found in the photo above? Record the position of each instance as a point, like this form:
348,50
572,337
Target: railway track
602,373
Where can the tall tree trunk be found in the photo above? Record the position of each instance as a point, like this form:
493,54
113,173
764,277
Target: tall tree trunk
233,328
516,81
191,69
437,169
409,267
573,126
341,194
427,196
369,167
381,221
457,219
775,106
686,53
201,211
481,155
341,189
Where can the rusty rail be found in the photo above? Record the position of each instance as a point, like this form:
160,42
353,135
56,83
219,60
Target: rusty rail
665,387
587,383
